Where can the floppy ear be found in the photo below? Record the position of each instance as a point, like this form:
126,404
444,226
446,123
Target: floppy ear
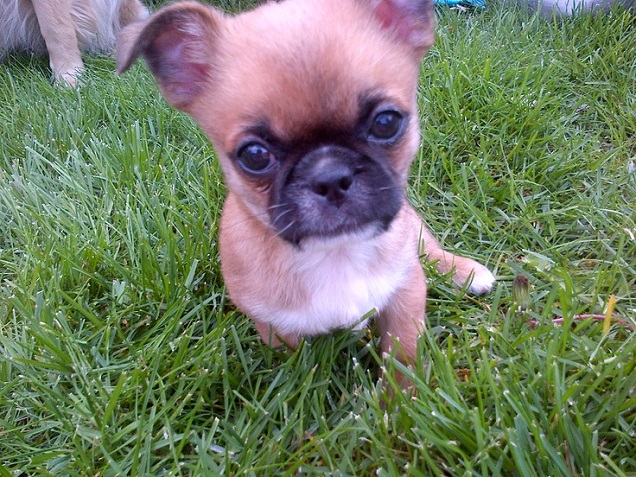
178,43
411,21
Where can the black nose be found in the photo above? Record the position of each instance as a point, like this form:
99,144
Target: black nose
332,180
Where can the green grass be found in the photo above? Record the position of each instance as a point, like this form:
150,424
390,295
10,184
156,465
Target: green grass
121,355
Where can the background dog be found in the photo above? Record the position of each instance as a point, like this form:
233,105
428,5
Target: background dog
65,29
569,7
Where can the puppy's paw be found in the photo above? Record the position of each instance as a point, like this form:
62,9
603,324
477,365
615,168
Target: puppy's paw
473,275
482,280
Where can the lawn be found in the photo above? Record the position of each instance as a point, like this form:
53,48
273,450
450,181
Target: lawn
120,353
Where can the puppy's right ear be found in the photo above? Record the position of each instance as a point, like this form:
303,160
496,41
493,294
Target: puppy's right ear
178,43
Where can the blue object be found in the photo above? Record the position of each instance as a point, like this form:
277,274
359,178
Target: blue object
472,3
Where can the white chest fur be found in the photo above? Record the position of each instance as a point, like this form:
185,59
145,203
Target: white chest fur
344,281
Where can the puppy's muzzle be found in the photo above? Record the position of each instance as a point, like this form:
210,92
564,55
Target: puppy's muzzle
333,191
331,179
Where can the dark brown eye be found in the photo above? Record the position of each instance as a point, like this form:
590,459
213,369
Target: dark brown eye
254,157
386,125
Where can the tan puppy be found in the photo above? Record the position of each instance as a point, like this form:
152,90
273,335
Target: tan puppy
64,29
311,106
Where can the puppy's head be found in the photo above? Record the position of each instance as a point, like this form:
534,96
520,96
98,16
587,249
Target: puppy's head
310,104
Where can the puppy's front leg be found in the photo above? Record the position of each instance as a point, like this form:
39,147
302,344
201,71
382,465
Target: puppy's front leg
58,30
478,279
272,338
403,319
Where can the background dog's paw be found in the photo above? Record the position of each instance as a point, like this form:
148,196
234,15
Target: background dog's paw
68,79
67,73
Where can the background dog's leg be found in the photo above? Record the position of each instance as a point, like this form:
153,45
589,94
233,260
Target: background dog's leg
58,31
131,11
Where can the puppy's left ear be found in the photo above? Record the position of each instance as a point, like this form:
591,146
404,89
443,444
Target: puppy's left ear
178,43
411,21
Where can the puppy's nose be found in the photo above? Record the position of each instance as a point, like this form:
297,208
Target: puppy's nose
333,183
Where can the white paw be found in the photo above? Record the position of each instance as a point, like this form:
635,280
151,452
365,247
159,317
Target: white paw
482,281
69,78
68,74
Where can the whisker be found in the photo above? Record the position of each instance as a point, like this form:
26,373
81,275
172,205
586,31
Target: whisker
287,227
277,206
281,214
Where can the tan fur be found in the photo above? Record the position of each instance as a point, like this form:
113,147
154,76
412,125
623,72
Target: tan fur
295,65
64,29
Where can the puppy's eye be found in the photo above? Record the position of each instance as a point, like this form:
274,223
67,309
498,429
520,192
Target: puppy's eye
254,157
386,125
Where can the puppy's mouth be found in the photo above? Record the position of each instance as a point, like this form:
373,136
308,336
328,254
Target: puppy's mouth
335,191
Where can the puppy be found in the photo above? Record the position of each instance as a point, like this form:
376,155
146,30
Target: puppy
65,28
312,108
